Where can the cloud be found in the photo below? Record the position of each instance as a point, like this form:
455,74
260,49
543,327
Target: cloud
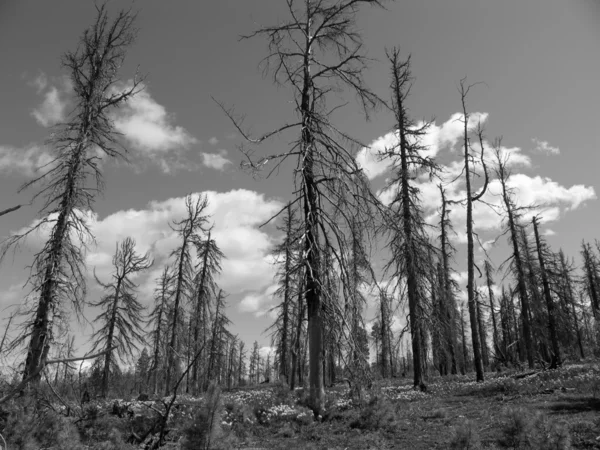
213,141
437,138
53,108
215,161
553,200
25,161
368,157
545,147
148,127
259,303
236,215
264,352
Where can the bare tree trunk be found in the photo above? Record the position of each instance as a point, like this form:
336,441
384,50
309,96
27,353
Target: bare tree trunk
475,338
109,341
556,359
488,276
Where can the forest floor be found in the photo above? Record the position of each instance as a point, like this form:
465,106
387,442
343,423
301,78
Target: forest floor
542,409
552,409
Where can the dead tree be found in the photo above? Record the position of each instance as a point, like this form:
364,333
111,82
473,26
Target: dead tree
542,253
469,171
409,245
288,271
188,230
488,269
503,175
448,284
315,53
122,316
209,267
158,319
73,178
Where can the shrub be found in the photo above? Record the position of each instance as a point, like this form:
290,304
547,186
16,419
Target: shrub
378,413
105,433
465,437
522,430
39,429
516,428
205,426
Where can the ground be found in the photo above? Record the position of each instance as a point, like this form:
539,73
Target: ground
540,409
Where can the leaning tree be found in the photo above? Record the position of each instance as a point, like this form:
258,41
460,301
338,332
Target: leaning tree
317,53
71,181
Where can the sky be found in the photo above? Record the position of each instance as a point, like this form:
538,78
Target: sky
537,60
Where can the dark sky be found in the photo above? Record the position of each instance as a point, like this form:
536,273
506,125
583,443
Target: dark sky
538,59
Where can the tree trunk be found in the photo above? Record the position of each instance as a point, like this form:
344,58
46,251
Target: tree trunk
556,360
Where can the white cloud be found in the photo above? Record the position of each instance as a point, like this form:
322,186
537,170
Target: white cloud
148,127
54,106
236,215
545,147
438,137
25,161
213,141
259,303
368,158
552,198
266,351
215,161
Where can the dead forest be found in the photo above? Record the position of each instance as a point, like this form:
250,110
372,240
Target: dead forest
508,362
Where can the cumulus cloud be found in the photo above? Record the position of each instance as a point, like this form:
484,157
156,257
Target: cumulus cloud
24,161
552,200
236,216
216,161
148,127
437,138
53,108
545,147
259,303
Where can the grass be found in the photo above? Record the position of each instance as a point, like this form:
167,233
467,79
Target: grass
556,410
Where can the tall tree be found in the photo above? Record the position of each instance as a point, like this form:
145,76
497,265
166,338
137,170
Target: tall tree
503,174
448,285
409,244
74,177
470,198
208,268
590,268
542,252
488,269
219,337
158,319
315,53
286,252
122,316
568,296
188,230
